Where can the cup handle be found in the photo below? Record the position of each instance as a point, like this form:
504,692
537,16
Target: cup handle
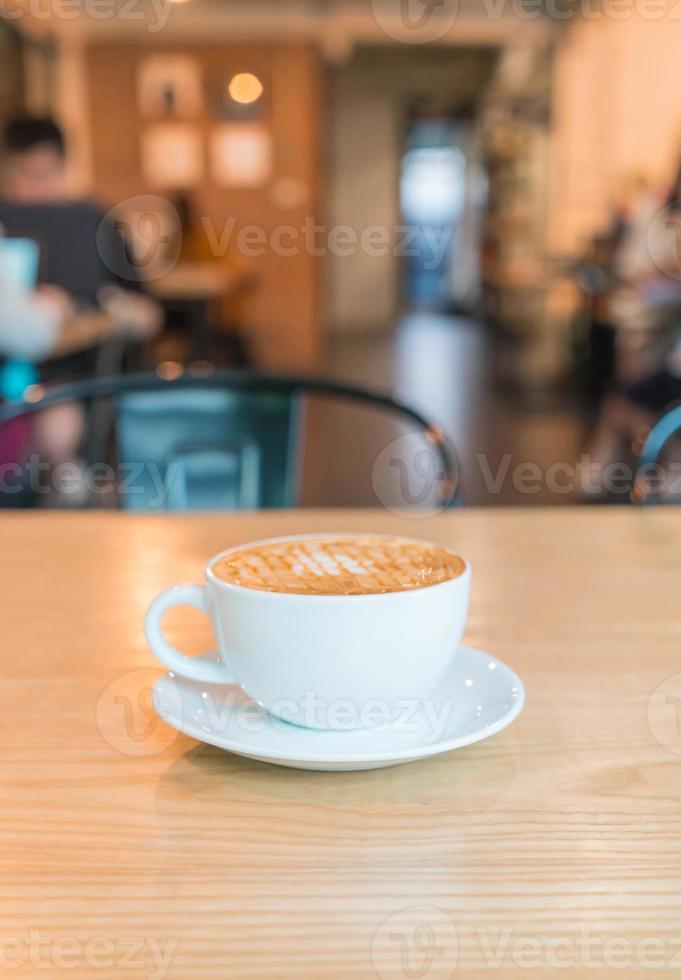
194,668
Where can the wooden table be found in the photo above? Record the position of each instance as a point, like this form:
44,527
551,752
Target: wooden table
193,289
554,847
196,281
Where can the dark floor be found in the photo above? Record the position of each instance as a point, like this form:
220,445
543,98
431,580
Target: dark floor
444,366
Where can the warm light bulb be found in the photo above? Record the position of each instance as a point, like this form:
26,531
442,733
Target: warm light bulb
245,88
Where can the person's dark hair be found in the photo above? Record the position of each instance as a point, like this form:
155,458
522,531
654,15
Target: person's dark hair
24,133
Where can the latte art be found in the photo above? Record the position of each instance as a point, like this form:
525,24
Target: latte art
361,565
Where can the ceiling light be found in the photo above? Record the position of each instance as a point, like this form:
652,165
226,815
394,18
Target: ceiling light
245,88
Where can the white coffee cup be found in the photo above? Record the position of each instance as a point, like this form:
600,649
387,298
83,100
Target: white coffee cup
321,661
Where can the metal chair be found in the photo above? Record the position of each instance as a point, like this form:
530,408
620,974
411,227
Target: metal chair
645,490
215,439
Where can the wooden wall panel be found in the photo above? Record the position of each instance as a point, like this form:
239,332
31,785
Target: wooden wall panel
11,72
283,313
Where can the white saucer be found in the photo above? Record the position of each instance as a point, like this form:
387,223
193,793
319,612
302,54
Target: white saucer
477,698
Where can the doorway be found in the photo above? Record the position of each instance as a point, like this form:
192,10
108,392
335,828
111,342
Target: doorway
432,199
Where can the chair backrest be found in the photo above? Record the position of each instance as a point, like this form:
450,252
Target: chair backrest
219,440
206,449
648,472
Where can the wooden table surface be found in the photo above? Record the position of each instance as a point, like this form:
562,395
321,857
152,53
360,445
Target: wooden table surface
554,847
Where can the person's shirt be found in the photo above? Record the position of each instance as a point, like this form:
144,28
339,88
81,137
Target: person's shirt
82,249
29,327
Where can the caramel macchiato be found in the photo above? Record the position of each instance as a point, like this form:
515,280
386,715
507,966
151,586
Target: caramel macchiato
362,565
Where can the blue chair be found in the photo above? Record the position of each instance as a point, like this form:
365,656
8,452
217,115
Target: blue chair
212,449
225,440
645,492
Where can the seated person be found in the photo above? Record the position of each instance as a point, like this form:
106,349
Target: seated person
34,325
646,306
34,173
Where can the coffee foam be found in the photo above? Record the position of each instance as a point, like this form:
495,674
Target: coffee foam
339,566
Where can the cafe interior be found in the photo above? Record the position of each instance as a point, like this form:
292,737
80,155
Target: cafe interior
272,268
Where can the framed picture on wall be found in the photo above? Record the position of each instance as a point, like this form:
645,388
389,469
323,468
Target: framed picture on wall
170,86
172,156
240,154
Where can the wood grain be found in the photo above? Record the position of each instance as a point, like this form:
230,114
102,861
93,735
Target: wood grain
565,828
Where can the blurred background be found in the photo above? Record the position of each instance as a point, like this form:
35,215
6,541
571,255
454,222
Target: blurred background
470,207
